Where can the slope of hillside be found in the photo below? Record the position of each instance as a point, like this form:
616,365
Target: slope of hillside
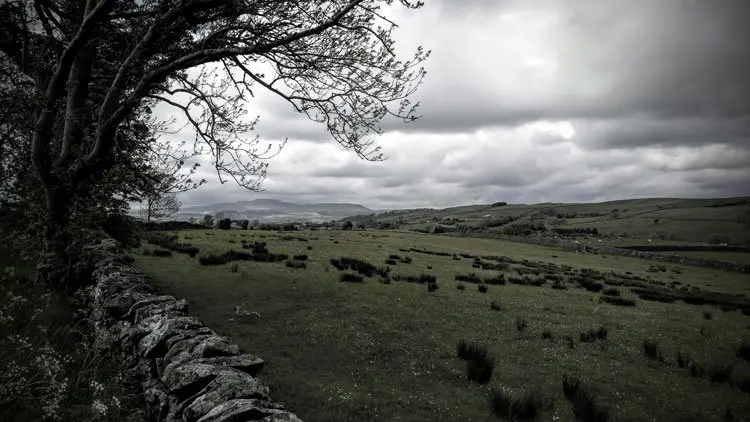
666,220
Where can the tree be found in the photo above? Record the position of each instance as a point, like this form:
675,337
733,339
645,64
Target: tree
159,206
99,63
348,225
225,224
244,224
208,220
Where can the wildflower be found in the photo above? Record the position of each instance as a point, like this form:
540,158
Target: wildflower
99,408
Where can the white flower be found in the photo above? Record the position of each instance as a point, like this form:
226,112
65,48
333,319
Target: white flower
99,408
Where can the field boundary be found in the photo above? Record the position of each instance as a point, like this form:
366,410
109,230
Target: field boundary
187,371
649,255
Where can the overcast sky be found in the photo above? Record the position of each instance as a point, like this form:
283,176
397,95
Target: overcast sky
531,101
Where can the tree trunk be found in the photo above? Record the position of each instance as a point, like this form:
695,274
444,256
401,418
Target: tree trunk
55,265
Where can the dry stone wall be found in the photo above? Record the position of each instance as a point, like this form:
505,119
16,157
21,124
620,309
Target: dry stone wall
187,372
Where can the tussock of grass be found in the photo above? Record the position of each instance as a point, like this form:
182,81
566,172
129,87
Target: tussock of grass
482,288
683,359
616,300
720,372
697,369
652,350
521,324
351,278
594,335
526,407
743,351
585,406
612,291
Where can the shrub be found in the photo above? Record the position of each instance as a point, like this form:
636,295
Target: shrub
234,268
494,306
351,278
619,301
524,408
652,350
358,265
594,335
482,288
570,341
461,286
302,257
720,372
612,291
225,224
683,359
406,260
521,324
743,351
244,224
309,248
390,261
547,334
432,287
707,315
480,366
394,257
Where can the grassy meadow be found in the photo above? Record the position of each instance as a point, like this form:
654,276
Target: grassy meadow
385,349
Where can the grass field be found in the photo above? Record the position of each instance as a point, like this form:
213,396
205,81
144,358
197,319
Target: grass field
632,221
369,351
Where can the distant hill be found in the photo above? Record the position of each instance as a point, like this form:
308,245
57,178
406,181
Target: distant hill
672,220
272,210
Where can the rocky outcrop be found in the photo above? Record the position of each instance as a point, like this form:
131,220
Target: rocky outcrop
187,372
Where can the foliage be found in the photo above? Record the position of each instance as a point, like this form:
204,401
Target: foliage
208,220
224,224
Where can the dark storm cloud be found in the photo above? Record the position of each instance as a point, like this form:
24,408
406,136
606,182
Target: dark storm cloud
646,98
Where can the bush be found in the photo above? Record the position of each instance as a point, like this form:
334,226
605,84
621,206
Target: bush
547,334
494,306
406,260
594,335
234,268
652,350
432,287
585,406
244,224
302,257
619,301
482,288
391,261
591,286
524,408
469,278
461,286
224,224
394,257
351,278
